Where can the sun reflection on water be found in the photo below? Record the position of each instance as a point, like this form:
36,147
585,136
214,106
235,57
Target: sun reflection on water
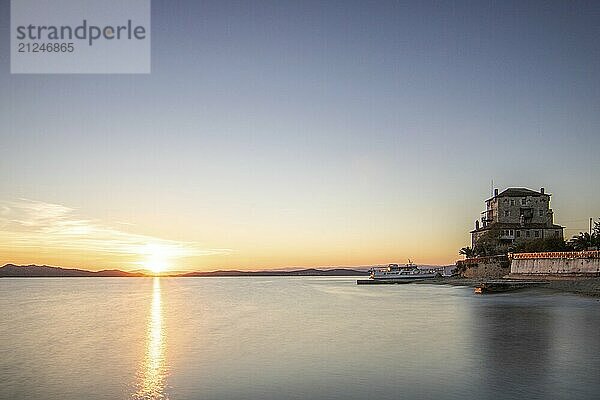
152,372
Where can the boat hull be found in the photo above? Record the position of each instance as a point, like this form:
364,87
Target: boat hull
384,282
395,272
406,277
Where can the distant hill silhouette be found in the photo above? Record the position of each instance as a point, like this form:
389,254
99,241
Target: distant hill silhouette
33,271
38,271
302,272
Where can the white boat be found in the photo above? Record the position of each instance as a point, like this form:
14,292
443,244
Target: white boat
401,272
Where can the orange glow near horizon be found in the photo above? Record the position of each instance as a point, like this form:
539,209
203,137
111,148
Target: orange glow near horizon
35,232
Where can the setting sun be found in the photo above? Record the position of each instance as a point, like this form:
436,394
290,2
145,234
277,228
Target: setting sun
157,257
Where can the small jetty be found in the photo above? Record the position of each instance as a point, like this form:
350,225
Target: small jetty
383,281
504,285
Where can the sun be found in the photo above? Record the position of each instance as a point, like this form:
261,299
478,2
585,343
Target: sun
157,257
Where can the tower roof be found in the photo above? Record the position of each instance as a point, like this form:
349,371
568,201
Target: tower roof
519,192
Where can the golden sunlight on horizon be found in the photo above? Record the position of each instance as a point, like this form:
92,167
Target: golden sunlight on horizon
64,237
158,258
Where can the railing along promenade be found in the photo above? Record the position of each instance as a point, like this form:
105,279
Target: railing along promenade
556,254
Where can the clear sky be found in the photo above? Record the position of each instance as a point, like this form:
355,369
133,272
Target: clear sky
278,134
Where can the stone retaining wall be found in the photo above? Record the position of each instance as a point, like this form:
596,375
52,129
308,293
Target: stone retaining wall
563,263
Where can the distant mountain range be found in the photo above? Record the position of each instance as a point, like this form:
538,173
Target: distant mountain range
33,271
39,271
301,272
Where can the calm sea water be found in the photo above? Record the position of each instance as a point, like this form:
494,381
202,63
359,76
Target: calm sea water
291,338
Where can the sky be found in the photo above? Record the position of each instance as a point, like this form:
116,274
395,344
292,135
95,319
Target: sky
283,134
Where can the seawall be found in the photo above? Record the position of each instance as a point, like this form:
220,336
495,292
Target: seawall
571,263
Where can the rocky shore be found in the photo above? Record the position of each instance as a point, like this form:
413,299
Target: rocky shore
579,285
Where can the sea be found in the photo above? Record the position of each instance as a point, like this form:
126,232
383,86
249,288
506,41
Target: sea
291,338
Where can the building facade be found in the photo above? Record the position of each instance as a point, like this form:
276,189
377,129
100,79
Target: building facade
516,215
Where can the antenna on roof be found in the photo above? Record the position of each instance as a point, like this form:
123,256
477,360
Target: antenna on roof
492,189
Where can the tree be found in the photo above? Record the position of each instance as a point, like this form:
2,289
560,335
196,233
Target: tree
539,245
581,241
488,244
467,252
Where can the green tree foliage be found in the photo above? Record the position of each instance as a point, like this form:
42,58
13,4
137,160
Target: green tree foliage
539,245
581,241
489,244
467,252
584,240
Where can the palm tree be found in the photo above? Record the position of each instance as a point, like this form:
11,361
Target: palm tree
581,241
466,251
